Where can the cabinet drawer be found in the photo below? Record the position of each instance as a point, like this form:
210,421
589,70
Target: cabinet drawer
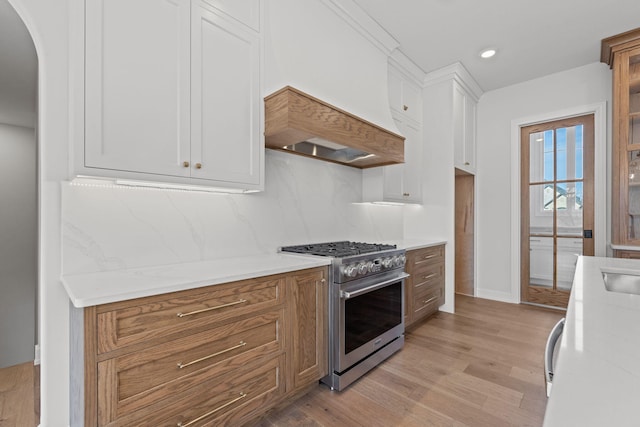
123,324
426,275
420,257
428,303
139,379
230,400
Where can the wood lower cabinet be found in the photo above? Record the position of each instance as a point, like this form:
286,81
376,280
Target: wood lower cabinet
218,355
424,288
309,327
617,253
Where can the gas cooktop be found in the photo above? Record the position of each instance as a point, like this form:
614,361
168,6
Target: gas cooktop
338,249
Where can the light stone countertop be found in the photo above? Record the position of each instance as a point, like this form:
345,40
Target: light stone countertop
91,289
597,376
410,244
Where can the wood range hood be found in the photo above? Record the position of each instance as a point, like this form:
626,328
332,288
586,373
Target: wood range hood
301,124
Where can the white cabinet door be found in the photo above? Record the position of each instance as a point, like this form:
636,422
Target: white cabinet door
412,168
137,85
226,104
246,12
464,129
398,183
405,97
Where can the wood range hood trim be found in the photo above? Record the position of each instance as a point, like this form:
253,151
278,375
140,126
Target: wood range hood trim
292,116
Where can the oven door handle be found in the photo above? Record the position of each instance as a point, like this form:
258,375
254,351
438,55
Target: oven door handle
347,295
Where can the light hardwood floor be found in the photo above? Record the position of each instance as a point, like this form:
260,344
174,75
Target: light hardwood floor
482,366
18,401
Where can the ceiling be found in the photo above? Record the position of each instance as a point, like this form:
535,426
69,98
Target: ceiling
18,69
533,38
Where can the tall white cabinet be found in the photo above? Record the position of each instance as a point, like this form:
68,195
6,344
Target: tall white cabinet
400,183
464,128
173,92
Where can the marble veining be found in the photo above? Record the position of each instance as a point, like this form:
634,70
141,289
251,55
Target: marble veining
305,200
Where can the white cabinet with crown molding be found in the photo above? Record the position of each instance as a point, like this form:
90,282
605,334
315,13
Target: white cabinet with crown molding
176,100
400,183
464,129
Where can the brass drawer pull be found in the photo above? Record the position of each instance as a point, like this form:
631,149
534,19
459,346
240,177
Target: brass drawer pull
184,365
426,303
201,417
428,257
425,278
212,308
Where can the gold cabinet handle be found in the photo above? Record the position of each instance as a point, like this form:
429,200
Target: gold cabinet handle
217,307
425,278
429,300
198,165
406,194
425,303
202,417
428,257
184,365
467,163
405,107
185,164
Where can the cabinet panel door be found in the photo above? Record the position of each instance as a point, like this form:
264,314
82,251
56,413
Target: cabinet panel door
469,145
137,85
244,11
458,126
226,102
412,177
308,300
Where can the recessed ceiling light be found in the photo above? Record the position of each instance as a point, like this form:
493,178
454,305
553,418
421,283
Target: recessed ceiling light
487,53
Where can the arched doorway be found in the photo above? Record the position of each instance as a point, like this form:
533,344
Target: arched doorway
18,219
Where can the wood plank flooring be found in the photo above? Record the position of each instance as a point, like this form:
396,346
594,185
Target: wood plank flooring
482,366
19,385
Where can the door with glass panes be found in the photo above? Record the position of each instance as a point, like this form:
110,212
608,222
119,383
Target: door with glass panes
556,206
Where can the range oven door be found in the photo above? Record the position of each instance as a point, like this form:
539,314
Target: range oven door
371,314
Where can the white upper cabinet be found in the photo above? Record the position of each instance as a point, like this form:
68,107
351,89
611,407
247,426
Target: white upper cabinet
246,12
172,92
225,100
405,97
464,129
400,183
137,86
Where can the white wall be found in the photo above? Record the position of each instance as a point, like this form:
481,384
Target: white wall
497,110
18,244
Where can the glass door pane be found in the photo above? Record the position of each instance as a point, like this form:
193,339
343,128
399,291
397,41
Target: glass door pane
555,195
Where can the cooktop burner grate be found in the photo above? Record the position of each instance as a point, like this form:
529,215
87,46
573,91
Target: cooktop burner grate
338,249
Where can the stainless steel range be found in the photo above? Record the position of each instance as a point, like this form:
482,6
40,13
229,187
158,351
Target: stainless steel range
366,306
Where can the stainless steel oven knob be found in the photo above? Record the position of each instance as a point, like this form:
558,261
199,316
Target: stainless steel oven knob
370,266
350,270
362,268
403,260
397,262
387,262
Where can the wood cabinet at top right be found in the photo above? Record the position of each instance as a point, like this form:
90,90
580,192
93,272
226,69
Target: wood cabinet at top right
622,53
464,129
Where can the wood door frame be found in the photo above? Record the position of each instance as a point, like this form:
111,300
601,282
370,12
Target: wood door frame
542,295
600,231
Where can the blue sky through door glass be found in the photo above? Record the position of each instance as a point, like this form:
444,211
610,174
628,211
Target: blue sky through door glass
548,155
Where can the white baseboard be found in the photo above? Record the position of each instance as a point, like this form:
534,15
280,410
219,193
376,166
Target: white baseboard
36,360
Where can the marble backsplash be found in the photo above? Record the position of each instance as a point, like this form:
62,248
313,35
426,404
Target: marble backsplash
305,200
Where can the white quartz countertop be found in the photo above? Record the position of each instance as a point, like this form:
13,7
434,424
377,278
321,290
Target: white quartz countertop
410,244
100,288
597,375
